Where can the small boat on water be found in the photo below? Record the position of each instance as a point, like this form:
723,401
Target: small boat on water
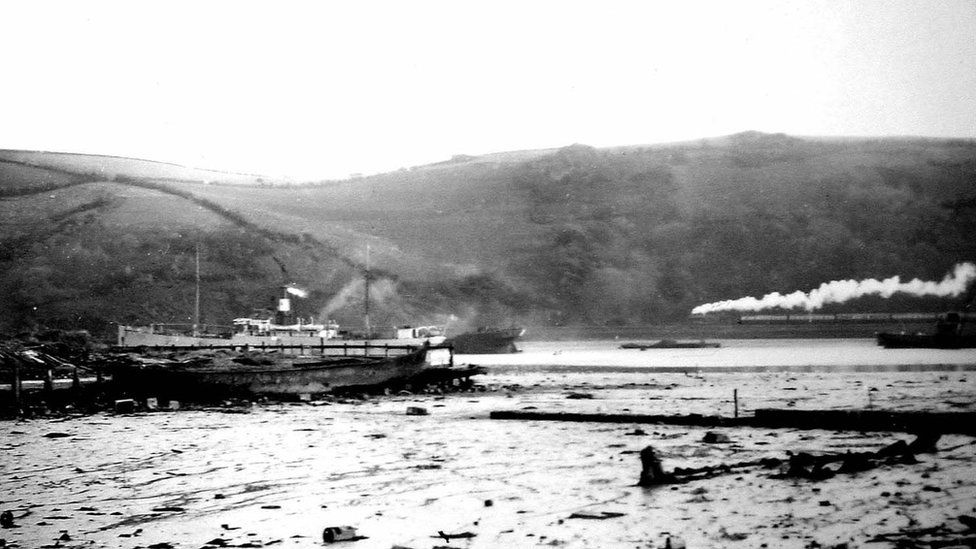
486,341
211,375
672,344
950,333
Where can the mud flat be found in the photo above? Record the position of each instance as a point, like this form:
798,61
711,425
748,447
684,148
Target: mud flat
275,475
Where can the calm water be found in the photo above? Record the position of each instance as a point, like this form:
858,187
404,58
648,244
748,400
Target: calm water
734,353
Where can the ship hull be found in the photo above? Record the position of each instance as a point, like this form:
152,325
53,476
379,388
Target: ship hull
486,342
926,341
136,337
670,344
282,377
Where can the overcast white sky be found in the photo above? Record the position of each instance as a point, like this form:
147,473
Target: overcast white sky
316,89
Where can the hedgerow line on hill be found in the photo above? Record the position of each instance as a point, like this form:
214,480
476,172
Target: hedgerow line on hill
238,219
117,157
20,245
235,218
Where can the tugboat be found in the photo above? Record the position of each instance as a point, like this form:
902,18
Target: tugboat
949,333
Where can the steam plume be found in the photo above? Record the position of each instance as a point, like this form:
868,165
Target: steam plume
839,291
381,292
298,292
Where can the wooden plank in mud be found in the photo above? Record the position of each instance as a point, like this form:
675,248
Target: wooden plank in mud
963,423
773,418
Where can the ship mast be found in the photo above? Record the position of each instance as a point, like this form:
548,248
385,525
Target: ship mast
196,301
366,297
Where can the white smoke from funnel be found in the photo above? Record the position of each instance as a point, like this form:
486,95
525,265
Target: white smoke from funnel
381,291
351,291
298,292
839,291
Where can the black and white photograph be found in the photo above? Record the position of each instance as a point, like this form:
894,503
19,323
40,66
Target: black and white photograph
465,274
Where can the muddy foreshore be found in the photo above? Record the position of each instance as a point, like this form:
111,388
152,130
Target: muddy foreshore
277,474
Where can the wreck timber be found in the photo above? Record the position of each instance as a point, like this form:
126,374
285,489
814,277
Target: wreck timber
774,418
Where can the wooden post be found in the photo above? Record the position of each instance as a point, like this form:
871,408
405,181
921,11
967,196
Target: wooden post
735,399
76,387
49,388
651,471
345,348
18,392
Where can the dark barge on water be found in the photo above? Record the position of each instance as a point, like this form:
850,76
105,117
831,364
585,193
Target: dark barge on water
672,344
485,341
952,331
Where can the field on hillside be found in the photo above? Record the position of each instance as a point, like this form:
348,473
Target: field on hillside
445,215
110,166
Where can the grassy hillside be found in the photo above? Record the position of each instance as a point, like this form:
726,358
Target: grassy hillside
108,167
576,235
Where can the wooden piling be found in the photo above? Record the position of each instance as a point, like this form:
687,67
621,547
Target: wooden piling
18,390
49,386
652,473
735,400
76,392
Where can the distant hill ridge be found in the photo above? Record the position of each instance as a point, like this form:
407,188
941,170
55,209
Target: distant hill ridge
91,155
570,236
108,165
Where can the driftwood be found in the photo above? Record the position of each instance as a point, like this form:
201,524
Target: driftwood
943,535
799,465
815,467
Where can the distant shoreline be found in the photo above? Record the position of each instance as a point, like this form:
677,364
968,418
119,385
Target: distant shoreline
813,330
809,368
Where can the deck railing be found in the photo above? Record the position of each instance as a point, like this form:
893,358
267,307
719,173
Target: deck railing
344,349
